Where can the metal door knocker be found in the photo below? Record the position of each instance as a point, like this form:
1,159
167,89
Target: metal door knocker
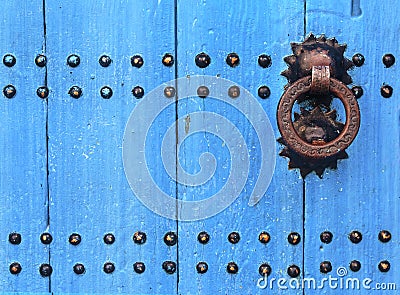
317,73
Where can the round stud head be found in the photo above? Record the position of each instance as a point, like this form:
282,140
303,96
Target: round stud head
73,60
293,271
138,92
168,60
79,269
105,61
15,238
264,92
358,59
45,270
42,92
202,267
108,267
264,269
355,237
384,266
234,91
75,239
355,265
170,238
46,238
169,92
232,268
169,267
41,60
202,60
109,239
388,60
106,92
139,267
9,91
15,268
386,91
137,61
233,59
325,267
357,91
264,237
326,237
384,236
203,237
234,237
203,91
264,61
75,92
9,60
139,237
294,238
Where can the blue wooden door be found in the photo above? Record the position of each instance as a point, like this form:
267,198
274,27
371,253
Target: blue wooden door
139,152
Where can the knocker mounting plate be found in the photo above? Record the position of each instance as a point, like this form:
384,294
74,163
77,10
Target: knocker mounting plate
317,73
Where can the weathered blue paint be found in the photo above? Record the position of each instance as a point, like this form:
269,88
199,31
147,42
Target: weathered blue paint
23,187
84,180
363,194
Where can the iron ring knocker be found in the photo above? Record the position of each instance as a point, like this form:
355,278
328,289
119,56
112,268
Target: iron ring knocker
325,150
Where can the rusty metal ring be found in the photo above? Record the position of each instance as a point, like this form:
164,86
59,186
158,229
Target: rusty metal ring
297,144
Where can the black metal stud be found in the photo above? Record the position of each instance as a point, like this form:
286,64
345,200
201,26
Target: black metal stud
169,267
137,61
202,60
233,59
9,60
105,61
264,61
9,91
326,237
168,60
264,269
169,91
294,238
386,91
234,91
108,267
75,92
388,60
357,91
293,271
15,238
46,238
232,268
325,267
358,59
15,268
234,237
139,237
45,270
202,267
355,265
41,60
170,238
79,269
384,266
384,236
106,92
42,92
355,237
73,60
109,239
75,239
139,267
264,92
203,237
138,92
203,91
264,237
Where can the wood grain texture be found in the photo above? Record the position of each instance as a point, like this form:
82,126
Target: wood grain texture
251,29
89,191
23,187
363,193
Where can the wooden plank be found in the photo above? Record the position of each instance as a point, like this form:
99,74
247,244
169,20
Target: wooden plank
363,193
89,190
23,184
219,28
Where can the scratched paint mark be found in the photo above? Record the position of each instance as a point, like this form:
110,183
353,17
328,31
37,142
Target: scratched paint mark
355,8
187,124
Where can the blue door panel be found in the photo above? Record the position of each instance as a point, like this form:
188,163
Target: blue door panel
23,183
89,192
363,194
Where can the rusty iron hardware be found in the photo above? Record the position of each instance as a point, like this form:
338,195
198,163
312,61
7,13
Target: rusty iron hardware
317,73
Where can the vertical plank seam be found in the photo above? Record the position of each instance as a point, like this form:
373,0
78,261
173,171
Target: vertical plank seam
304,182
176,138
47,135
